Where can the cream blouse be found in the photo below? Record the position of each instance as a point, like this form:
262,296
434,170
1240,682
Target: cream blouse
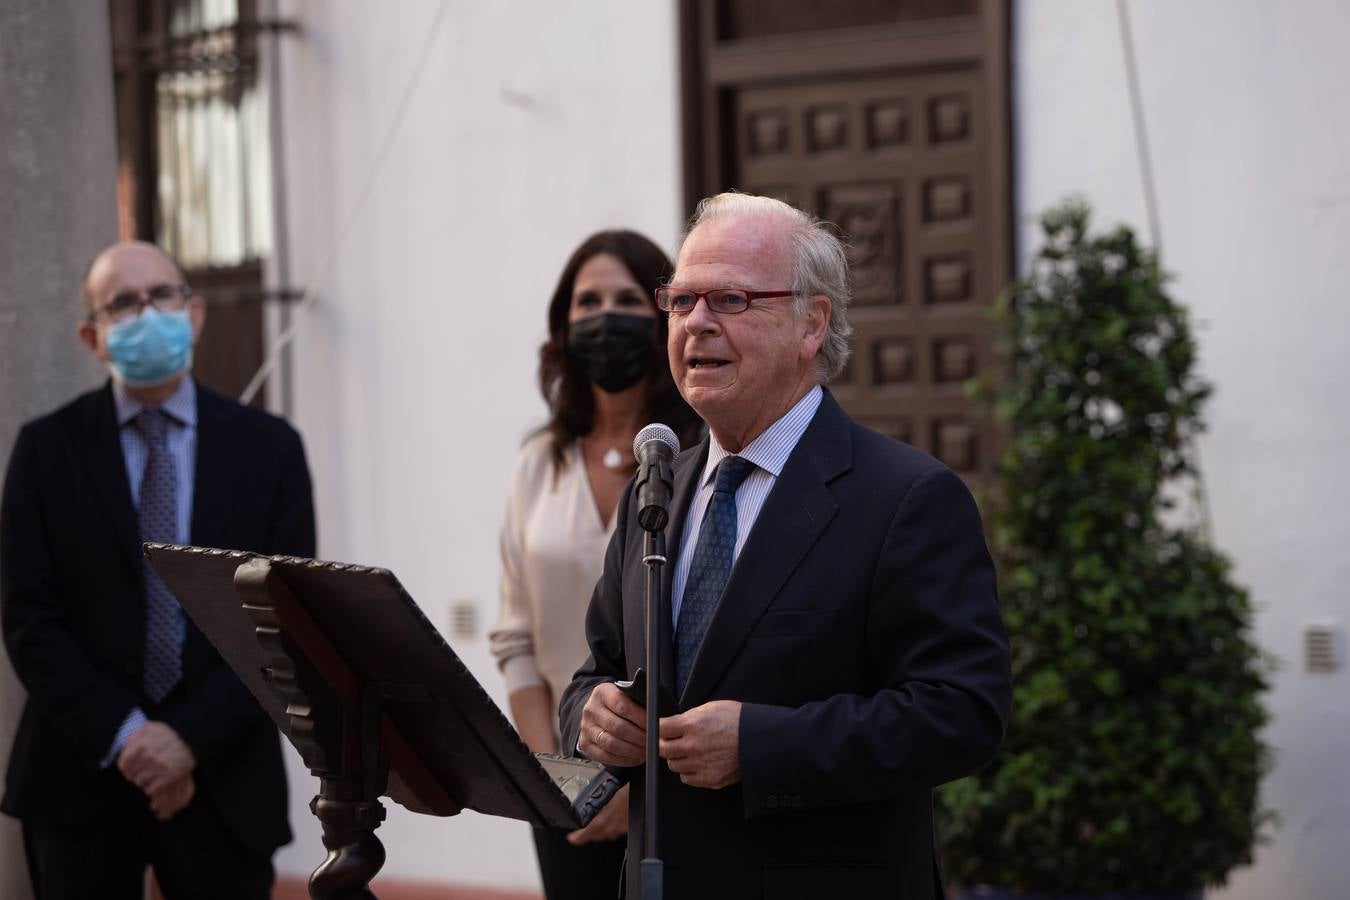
552,548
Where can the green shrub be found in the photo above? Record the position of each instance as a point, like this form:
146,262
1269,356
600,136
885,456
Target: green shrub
1133,759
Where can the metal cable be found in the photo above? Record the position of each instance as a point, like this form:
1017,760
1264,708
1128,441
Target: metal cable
1140,134
1155,229
319,277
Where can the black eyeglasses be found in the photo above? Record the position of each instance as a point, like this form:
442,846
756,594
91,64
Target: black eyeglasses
129,304
679,301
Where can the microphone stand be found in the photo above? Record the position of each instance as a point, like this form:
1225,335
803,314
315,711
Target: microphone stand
655,448
652,869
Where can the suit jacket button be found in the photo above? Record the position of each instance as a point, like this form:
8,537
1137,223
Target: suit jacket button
772,802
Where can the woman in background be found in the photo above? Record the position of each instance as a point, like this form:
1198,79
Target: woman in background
604,374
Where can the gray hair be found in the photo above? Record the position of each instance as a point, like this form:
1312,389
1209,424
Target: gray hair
819,266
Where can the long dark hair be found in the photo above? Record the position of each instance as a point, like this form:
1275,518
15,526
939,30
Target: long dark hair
566,387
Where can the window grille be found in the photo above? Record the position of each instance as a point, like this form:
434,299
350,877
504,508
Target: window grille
195,161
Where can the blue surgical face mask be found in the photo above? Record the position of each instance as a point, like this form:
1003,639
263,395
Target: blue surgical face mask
152,348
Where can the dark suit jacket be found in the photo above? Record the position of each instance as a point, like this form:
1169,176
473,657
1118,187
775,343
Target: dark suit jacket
860,629
74,609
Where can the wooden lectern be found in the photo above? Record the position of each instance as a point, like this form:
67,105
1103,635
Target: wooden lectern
373,698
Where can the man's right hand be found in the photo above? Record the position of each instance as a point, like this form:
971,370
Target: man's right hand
613,728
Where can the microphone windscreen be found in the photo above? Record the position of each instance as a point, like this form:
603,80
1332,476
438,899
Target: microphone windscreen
656,432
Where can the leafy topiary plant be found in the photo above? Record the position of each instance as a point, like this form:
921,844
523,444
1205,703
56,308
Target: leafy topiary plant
1133,760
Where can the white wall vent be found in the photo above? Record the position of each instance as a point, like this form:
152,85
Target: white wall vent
463,619
1319,648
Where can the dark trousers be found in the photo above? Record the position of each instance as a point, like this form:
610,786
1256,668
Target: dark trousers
195,857
588,872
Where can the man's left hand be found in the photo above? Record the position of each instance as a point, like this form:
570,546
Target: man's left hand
155,757
702,745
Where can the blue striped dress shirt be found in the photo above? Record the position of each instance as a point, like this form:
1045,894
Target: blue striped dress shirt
182,440
769,453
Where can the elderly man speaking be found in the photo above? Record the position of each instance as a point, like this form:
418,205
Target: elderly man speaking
835,642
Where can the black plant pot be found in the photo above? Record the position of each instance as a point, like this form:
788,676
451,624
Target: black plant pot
984,892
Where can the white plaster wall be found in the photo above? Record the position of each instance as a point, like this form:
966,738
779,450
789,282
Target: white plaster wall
1246,112
536,124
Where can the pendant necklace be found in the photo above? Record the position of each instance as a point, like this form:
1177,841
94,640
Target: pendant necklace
612,459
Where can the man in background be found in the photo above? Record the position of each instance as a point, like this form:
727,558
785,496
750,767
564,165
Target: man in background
832,632
138,746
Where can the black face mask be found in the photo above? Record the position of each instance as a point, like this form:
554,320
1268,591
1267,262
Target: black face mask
615,350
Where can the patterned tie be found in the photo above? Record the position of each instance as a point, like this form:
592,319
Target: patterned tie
710,566
158,519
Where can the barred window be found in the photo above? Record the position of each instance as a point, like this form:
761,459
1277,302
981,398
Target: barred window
195,161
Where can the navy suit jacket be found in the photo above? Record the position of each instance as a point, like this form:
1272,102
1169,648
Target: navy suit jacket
860,629
74,608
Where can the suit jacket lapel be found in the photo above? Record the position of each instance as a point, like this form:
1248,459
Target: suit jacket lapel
213,488
794,514
102,453
687,474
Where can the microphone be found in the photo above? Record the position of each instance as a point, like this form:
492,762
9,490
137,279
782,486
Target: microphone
655,448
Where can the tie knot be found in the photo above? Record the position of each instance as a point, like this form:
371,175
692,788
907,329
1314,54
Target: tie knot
731,471
153,424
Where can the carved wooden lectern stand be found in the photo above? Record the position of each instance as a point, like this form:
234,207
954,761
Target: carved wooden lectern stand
335,724
374,700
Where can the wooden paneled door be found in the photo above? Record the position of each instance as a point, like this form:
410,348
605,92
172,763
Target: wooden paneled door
890,119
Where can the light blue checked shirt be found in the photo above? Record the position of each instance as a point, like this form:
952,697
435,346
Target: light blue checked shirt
769,452
182,439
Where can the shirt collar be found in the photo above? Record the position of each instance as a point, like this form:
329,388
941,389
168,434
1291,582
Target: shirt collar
181,405
775,444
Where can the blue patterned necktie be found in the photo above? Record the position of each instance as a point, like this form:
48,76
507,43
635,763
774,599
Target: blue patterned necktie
159,522
710,566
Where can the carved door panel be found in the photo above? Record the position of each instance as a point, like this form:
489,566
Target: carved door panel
894,129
